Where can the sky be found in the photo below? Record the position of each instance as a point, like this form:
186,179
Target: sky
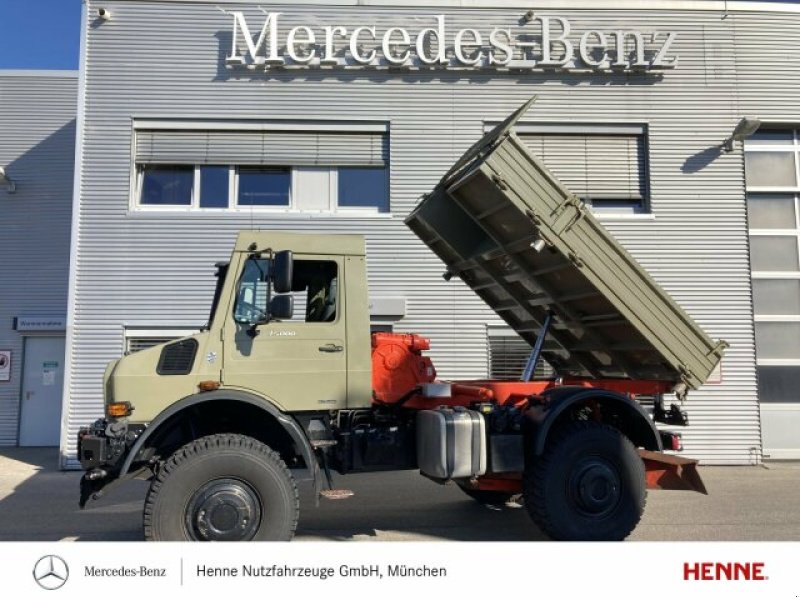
39,34
45,34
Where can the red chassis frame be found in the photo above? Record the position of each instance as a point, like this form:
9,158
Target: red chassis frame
662,471
400,373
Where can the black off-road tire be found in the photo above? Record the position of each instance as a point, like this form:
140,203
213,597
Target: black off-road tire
588,485
222,487
492,497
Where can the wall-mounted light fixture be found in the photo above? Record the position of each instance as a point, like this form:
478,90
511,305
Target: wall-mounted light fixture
746,127
528,16
104,14
5,180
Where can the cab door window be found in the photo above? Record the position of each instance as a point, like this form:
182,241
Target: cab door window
251,293
314,287
316,291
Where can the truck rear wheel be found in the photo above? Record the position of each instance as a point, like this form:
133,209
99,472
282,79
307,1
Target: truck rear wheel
588,485
223,487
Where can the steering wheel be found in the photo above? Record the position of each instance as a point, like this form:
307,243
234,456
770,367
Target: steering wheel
253,308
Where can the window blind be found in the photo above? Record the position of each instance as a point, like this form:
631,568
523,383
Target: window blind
596,167
271,148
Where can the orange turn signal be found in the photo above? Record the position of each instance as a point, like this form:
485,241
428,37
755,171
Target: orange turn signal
208,386
119,409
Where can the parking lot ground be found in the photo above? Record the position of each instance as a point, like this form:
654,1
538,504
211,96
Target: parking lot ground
40,503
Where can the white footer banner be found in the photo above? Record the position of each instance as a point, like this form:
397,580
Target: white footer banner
640,570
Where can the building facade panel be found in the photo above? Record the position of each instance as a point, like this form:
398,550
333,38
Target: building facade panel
37,147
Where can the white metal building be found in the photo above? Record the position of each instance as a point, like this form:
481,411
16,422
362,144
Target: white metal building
200,118
37,149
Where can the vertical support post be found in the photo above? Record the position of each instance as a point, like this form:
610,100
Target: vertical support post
536,351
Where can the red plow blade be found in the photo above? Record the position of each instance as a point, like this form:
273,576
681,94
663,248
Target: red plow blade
670,472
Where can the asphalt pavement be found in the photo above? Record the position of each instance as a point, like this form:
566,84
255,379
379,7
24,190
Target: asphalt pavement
40,503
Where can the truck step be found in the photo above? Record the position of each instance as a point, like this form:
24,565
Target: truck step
337,494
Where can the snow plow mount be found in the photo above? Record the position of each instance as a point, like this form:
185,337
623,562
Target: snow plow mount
670,472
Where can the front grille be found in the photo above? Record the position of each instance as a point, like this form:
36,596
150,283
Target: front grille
177,358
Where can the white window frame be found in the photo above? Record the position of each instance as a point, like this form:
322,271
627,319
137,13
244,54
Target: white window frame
293,208
139,184
360,210
194,206
794,148
197,190
233,201
296,183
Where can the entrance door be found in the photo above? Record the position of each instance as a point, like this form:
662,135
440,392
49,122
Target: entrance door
42,386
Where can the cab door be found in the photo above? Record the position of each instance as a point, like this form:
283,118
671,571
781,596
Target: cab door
299,363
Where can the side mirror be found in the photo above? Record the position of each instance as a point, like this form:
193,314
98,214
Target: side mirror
281,307
282,271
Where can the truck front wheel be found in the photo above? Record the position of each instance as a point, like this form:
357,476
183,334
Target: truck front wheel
223,487
588,485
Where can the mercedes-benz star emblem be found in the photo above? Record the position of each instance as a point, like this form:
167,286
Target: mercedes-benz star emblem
51,572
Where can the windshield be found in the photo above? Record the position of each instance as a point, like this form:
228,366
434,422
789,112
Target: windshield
251,294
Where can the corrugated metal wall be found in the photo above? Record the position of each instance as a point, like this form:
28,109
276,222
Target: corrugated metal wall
166,59
37,147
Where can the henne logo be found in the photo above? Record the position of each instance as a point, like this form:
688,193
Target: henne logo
730,571
51,572
540,42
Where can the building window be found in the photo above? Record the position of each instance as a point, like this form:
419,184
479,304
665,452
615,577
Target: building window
772,175
604,165
770,169
302,189
778,384
263,187
508,355
166,185
227,169
360,187
214,186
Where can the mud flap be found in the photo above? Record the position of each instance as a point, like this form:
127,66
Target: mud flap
670,472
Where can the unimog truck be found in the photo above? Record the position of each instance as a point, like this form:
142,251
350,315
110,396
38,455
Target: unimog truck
287,384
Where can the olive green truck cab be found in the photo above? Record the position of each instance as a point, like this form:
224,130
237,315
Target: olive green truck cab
287,384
